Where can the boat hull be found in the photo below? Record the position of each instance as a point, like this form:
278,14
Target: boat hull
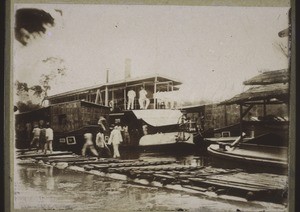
269,156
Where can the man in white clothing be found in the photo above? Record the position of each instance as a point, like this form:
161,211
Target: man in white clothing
49,139
36,137
131,95
115,139
143,100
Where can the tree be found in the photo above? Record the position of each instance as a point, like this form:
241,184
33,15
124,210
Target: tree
40,91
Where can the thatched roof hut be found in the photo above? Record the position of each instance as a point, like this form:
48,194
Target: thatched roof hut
270,86
269,77
278,91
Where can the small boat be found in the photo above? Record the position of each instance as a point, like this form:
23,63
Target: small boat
252,151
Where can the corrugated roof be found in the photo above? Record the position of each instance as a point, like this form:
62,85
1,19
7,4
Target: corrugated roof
269,77
262,92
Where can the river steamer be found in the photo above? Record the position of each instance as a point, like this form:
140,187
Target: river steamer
74,113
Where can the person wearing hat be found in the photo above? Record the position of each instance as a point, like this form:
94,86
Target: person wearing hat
36,137
49,139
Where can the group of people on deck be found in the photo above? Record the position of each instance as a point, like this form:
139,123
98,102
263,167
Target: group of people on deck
42,137
164,100
101,147
143,100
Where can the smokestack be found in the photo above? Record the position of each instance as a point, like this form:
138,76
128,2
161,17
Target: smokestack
127,68
107,75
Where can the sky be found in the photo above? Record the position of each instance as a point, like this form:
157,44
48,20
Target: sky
211,50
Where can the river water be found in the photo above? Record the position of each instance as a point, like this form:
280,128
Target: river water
47,188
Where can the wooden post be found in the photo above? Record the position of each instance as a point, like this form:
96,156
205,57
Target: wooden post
125,98
265,109
113,97
241,119
154,93
106,96
225,115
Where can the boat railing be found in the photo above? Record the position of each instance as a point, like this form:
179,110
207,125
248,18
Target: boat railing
122,104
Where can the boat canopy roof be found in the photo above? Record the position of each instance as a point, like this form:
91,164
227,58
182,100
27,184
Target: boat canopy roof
159,117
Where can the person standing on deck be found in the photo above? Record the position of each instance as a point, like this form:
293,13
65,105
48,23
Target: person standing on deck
143,100
88,145
115,139
36,137
49,139
131,95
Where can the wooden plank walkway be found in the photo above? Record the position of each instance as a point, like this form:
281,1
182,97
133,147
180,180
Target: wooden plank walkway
233,182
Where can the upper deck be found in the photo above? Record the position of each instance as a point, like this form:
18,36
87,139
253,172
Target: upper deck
114,94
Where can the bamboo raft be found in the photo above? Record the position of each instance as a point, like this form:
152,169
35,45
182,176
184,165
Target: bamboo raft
170,174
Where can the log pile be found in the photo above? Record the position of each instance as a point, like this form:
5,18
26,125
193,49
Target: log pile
167,173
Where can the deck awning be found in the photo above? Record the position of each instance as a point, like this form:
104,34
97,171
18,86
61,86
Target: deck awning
278,91
159,117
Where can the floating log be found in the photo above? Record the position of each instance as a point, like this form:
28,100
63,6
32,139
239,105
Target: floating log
194,188
270,181
225,184
67,160
44,155
88,168
164,179
26,151
103,161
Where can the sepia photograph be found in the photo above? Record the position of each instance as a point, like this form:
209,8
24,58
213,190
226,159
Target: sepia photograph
150,107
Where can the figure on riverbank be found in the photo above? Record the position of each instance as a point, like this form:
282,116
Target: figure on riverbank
88,145
36,137
49,139
143,100
42,139
115,139
131,95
